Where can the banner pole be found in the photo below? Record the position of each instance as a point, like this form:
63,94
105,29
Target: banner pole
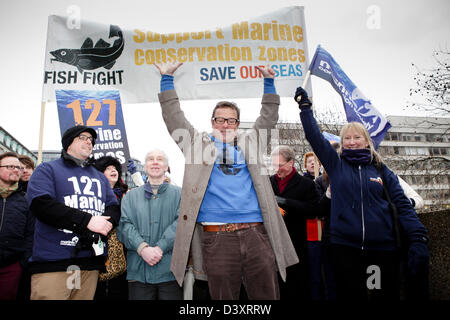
41,133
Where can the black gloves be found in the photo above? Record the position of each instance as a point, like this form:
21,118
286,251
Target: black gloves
280,200
418,258
131,167
301,97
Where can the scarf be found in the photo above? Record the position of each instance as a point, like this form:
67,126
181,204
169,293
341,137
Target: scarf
282,183
5,192
357,156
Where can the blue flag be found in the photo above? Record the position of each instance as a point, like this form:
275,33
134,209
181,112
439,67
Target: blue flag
357,107
331,137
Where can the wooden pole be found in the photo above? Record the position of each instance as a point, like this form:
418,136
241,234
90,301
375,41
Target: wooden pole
305,81
41,133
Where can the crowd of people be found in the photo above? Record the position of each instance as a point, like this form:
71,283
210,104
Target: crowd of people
342,229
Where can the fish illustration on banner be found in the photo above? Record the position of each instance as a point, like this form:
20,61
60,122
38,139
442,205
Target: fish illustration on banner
90,57
356,105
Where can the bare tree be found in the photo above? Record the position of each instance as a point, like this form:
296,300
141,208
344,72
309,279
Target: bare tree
432,91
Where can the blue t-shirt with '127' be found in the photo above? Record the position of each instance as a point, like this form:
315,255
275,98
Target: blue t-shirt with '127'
82,188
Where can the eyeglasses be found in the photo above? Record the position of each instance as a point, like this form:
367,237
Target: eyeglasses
83,137
11,167
230,121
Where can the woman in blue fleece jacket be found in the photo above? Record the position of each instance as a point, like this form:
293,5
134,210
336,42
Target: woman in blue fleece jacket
364,249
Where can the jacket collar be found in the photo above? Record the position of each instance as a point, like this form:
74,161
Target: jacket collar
292,182
75,161
148,192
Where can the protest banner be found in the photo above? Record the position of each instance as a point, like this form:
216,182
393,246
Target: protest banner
218,63
100,110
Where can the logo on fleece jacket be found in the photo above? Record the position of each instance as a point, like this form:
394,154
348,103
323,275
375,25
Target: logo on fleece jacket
377,179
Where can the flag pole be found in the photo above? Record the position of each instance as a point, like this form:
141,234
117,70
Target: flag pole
41,133
305,81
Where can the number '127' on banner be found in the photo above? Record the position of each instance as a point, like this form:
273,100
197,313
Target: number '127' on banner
100,110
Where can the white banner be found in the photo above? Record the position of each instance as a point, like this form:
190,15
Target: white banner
218,63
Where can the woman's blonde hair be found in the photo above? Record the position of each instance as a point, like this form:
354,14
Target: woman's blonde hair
359,127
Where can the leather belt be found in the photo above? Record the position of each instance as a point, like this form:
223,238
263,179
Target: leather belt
230,227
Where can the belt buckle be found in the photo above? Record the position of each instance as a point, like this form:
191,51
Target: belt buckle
230,227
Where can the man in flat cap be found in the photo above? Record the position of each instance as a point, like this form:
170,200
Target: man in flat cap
75,209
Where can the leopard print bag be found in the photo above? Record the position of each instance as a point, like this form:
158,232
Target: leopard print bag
116,263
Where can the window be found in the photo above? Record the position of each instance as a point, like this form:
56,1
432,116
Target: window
394,136
434,151
411,151
14,146
8,141
406,137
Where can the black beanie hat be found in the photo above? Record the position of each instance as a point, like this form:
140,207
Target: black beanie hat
102,163
74,132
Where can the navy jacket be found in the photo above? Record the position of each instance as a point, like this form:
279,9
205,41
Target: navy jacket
16,229
360,214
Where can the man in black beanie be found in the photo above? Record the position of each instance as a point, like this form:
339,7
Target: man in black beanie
75,210
76,132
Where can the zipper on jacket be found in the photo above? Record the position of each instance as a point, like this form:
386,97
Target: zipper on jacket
3,213
362,209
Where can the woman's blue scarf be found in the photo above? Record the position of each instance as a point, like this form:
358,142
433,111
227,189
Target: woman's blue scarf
357,156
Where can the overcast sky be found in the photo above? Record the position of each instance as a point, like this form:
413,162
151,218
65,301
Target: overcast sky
374,42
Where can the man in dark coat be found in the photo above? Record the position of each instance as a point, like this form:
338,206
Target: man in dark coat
16,226
298,197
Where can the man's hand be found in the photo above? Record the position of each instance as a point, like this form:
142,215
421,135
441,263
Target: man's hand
168,68
266,71
100,224
151,255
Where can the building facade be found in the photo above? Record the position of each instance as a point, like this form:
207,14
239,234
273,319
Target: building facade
418,150
9,143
